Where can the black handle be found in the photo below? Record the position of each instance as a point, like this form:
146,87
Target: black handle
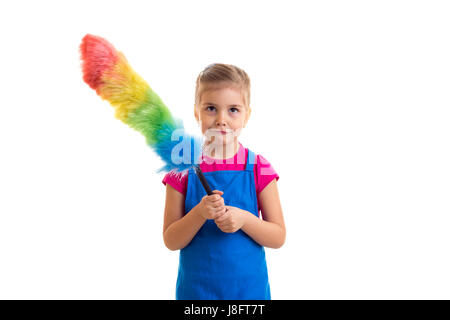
202,178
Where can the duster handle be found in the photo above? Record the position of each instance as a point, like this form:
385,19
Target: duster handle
202,178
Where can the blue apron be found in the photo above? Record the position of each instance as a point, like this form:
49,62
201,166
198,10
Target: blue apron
223,266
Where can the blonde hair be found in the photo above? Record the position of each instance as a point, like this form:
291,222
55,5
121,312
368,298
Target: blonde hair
219,75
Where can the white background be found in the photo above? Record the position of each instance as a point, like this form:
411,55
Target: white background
350,105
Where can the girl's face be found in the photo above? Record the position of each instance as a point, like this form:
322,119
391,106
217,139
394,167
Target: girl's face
222,115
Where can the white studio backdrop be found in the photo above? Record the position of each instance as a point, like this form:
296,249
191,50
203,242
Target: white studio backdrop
350,105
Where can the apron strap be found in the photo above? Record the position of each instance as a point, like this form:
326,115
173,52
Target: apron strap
251,159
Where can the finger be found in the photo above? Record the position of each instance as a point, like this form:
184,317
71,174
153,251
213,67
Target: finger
226,229
219,224
217,207
215,198
218,204
223,211
220,218
221,215
212,203
218,192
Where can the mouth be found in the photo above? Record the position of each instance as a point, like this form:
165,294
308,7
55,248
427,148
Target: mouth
222,132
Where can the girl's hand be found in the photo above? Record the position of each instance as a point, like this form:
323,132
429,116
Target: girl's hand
213,206
232,220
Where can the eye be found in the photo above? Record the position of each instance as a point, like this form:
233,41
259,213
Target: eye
207,108
237,110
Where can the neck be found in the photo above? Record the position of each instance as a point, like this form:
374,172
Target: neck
225,151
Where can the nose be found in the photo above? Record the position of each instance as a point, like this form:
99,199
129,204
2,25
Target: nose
220,121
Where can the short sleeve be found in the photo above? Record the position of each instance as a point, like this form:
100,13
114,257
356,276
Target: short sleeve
265,173
176,180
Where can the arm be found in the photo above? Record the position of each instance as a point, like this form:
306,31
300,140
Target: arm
271,231
179,229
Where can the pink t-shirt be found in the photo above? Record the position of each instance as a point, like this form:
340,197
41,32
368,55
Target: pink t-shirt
263,171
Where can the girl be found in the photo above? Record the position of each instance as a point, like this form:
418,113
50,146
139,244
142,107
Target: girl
221,237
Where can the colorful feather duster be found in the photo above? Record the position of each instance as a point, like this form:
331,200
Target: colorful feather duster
108,72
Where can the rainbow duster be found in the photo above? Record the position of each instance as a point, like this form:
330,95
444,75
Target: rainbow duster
108,72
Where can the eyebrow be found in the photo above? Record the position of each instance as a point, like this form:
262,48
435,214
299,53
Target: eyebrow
231,105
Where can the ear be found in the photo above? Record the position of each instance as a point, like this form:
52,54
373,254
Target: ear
247,116
196,114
